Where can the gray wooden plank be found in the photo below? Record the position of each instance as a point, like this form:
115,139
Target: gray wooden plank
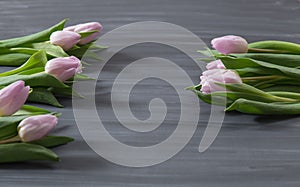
249,151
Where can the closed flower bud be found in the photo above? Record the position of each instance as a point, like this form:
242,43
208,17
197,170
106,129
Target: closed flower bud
210,77
65,39
230,44
217,64
13,97
36,127
86,27
63,68
70,28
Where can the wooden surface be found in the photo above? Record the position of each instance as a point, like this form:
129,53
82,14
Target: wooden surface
249,150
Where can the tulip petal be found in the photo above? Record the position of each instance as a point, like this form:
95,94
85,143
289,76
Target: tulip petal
13,97
36,127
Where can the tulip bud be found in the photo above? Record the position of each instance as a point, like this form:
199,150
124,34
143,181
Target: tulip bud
217,64
13,97
86,27
210,77
63,68
36,127
65,39
70,28
230,44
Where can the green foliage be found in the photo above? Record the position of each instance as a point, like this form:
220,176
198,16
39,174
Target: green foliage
33,38
270,73
19,152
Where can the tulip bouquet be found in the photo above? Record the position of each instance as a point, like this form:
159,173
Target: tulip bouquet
56,41
49,59
256,78
47,62
24,128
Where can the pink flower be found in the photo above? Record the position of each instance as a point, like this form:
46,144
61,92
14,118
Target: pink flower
230,44
217,64
210,77
36,127
13,97
70,28
86,27
63,68
65,39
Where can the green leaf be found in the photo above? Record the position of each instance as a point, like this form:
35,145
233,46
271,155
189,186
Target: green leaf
52,141
89,50
287,88
33,38
238,63
238,95
31,110
207,60
79,76
213,99
19,152
96,47
92,55
37,60
239,91
287,60
52,50
256,93
255,107
86,34
254,71
79,51
32,71
208,52
35,80
279,82
208,98
273,46
64,91
8,126
13,59
286,94
43,95
24,50
243,88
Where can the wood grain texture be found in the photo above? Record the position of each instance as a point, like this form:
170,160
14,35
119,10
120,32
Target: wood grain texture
249,150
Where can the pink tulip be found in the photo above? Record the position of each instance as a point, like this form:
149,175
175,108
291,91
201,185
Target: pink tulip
36,127
230,44
217,64
13,97
70,28
65,39
63,68
210,77
86,27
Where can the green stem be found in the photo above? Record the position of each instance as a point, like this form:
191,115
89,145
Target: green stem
262,77
257,50
11,140
284,99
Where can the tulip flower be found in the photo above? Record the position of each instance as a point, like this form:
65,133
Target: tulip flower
63,68
13,97
65,39
210,77
230,44
217,64
86,27
36,127
70,28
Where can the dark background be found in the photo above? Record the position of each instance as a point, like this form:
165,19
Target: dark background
249,150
